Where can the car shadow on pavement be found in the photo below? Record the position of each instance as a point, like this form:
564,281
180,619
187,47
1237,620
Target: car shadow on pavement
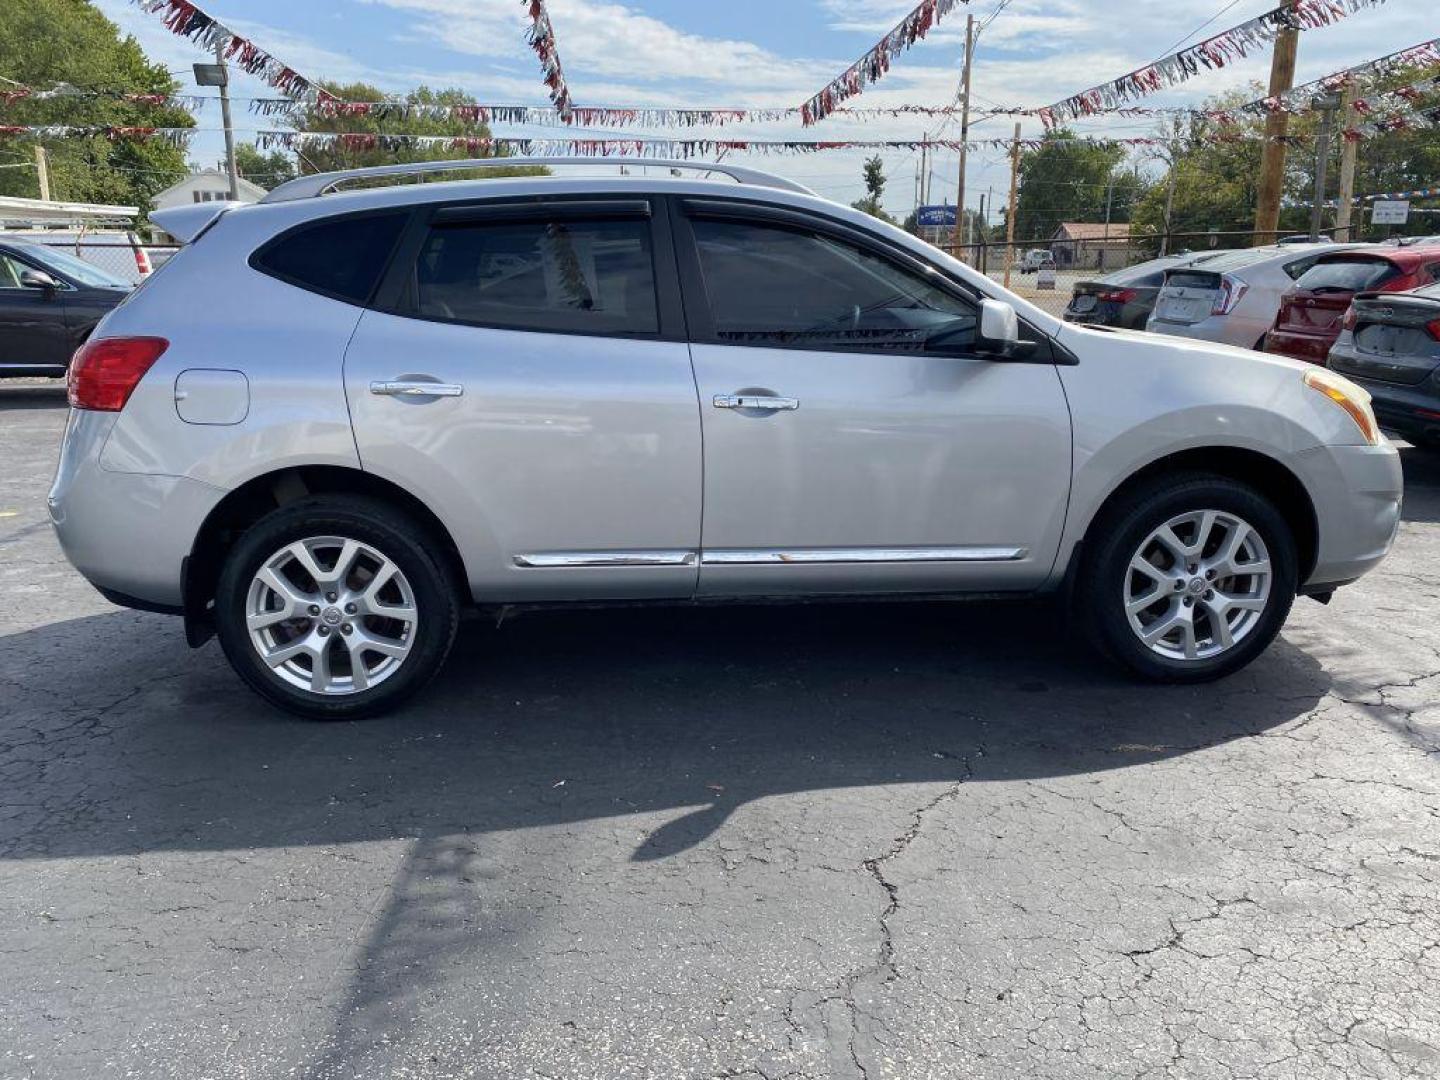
560,717
1422,484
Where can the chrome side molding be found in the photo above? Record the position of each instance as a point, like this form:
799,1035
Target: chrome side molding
572,559
763,557
754,557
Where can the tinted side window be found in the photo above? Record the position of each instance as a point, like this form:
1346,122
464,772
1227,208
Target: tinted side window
577,276
340,257
770,285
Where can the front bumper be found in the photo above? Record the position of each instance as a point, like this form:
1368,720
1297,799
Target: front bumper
127,533
1357,492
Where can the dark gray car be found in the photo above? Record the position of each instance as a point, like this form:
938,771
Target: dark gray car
1126,297
49,303
1390,344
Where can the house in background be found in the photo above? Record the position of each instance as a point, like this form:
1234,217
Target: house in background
207,185
1090,245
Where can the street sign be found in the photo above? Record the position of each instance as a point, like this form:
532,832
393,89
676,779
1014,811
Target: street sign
1389,212
935,217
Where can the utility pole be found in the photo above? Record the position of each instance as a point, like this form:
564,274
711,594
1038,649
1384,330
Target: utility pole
1272,154
42,169
984,224
1349,151
1109,205
1014,198
1327,106
230,168
964,130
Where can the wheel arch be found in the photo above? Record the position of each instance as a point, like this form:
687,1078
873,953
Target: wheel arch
1271,477
255,498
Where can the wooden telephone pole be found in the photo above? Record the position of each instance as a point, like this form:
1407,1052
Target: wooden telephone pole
1345,205
1272,154
1014,198
956,248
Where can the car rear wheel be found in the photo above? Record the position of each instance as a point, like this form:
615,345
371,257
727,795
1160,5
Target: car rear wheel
332,607
1188,578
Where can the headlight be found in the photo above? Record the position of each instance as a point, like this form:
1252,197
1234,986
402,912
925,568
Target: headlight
1355,400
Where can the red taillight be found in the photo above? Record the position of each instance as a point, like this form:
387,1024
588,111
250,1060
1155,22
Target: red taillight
104,372
1433,328
1119,296
1351,318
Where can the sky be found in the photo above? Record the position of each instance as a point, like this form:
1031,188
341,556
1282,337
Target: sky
766,53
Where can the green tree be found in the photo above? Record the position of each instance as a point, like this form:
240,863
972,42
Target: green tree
874,173
46,42
339,155
1069,180
268,170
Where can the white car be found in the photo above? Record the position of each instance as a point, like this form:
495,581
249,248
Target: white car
1234,298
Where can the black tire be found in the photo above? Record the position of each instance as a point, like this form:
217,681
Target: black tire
1116,536
371,522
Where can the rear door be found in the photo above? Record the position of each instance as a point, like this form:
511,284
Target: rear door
843,452
527,376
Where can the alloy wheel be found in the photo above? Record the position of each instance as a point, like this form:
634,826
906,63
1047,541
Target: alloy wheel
331,615
1198,585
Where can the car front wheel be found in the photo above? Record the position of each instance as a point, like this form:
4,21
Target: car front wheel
1188,578
333,607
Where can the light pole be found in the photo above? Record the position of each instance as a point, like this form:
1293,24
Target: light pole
1327,106
217,74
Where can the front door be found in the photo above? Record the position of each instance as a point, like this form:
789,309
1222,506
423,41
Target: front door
529,381
33,330
854,441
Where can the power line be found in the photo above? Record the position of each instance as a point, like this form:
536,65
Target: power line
1169,49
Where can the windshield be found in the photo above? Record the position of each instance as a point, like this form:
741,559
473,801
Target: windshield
1347,275
76,269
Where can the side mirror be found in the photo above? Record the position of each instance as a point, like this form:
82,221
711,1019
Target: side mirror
999,331
38,279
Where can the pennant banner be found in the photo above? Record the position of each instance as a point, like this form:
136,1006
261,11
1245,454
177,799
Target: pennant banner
581,116
185,18
1215,52
1423,56
874,64
174,136
542,40
10,95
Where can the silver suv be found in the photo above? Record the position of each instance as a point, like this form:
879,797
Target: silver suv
337,418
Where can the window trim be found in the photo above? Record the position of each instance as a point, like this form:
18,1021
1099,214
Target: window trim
697,306
254,260
396,294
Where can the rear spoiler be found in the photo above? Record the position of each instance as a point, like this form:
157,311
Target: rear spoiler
186,223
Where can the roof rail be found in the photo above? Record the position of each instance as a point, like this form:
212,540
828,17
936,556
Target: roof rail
308,187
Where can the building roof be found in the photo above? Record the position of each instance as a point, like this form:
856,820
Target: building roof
1094,230
255,191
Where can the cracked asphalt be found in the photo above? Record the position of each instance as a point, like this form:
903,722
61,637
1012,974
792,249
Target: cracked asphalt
851,841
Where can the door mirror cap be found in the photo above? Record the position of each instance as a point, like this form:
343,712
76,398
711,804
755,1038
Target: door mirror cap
998,333
37,279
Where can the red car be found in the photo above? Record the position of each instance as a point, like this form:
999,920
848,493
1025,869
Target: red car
1312,313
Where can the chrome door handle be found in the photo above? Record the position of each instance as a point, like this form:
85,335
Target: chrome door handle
755,401
416,389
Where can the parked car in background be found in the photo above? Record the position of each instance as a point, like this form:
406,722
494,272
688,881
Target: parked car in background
1035,260
337,419
1126,298
1233,298
1310,314
49,303
1390,345
121,254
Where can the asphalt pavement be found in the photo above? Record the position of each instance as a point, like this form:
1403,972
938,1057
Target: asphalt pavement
894,840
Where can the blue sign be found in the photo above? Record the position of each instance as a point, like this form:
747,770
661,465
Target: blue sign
935,217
